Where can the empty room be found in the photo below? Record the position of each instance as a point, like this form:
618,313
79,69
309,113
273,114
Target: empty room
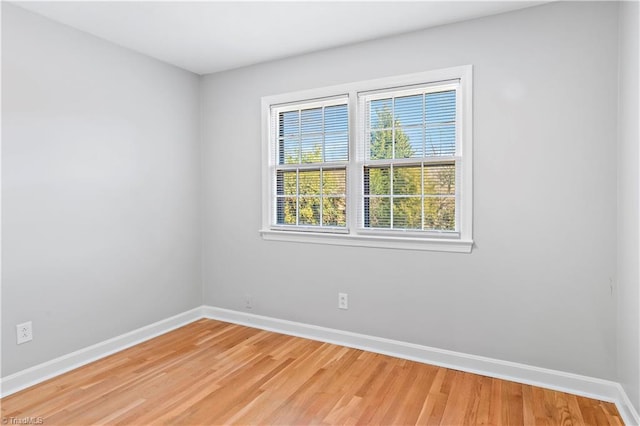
292,213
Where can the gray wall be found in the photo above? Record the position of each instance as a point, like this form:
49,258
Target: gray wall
628,207
537,287
100,189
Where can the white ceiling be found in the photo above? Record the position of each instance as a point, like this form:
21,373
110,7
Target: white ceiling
205,37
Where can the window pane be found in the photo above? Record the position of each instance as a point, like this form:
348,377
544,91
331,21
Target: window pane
334,211
286,183
408,142
407,213
377,212
377,181
311,120
336,119
380,114
286,210
381,147
289,123
440,107
336,147
440,140
407,180
279,183
289,151
440,179
439,213
309,182
334,182
408,110
311,149
309,210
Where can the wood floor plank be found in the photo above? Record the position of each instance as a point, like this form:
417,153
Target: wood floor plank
213,373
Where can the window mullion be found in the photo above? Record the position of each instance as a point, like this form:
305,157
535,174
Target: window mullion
393,127
422,196
322,129
393,156
321,196
324,159
297,197
424,124
391,195
424,152
354,189
299,135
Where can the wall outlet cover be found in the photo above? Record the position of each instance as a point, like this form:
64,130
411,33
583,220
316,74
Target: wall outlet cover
24,332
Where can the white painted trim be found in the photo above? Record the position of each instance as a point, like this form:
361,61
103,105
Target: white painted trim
551,379
362,240
41,372
629,415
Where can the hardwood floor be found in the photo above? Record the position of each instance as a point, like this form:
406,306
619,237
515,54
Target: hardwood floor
210,372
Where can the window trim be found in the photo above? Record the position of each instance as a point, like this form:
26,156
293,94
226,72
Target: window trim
460,241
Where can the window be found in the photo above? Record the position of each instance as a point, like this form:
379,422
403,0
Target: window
311,165
383,163
409,165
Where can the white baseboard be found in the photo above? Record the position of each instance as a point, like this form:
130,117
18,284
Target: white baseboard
41,372
552,379
628,412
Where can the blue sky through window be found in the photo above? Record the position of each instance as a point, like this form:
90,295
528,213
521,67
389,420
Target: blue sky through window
314,135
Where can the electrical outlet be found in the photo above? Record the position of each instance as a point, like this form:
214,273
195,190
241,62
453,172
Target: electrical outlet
248,302
24,332
343,301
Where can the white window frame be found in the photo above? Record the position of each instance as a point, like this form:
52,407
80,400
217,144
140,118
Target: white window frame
354,234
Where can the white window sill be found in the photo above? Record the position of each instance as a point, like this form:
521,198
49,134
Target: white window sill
380,241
